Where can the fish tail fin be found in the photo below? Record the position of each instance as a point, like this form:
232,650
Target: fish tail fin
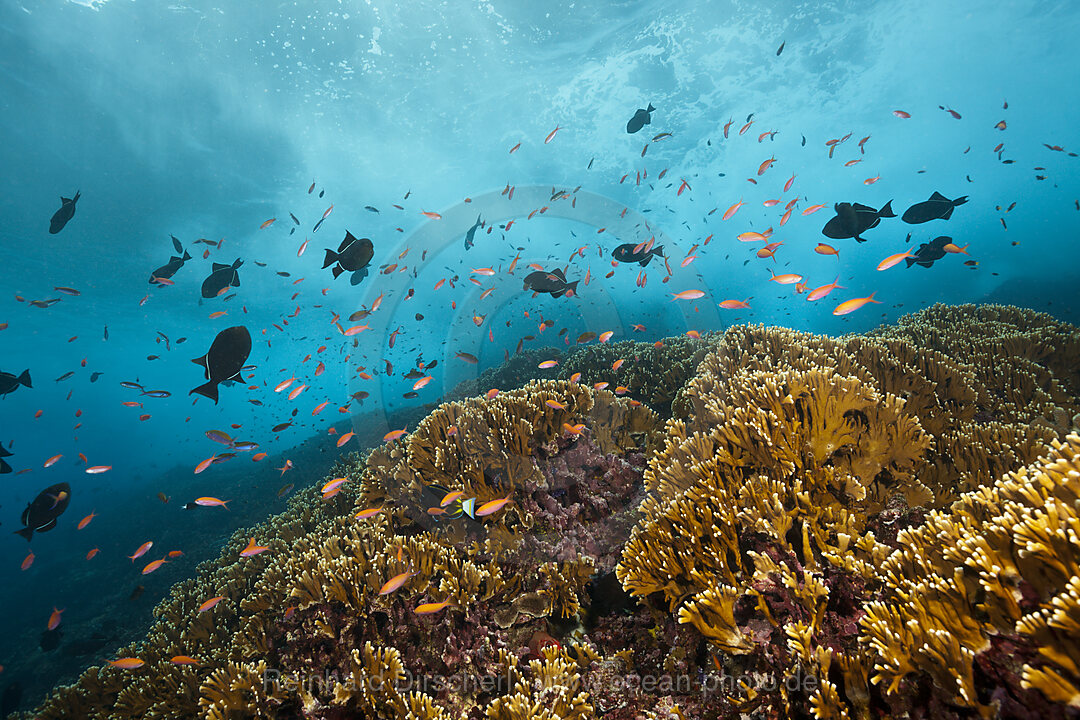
331,258
658,251
209,390
572,287
26,533
25,378
886,210
651,108
871,298
236,265
960,200
187,256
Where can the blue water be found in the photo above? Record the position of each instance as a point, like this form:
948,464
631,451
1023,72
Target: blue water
205,121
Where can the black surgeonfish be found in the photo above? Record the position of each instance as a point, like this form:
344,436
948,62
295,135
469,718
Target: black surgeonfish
938,207
66,212
224,360
353,255
625,253
169,269
4,467
553,282
641,118
471,233
929,252
9,383
221,277
853,219
40,515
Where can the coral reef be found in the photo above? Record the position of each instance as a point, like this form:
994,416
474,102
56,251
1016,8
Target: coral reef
877,525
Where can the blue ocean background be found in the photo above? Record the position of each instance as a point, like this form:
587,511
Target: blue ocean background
202,120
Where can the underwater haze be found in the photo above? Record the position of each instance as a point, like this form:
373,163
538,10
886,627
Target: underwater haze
174,170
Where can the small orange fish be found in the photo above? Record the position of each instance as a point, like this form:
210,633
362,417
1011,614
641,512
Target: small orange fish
27,561
208,604
205,464
788,184
492,507
212,502
183,660
514,148
750,236
345,438
142,550
735,304
953,248
548,364
854,304
901,114
151,567
492,393
765,166
823,249
606,335
617,364
90,555
555,405
820,292
432,215
573,429
252,549
365,514
688,295
86,520
894,259
428,608
871,181
394,435
551,135
812,209
731,210
54,619
1000,125
394,583
98,469
786,278
128,663
268,223
215,315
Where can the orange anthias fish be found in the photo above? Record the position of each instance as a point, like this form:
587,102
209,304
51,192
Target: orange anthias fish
212,502
735,304
252,549
395,583
393,435
765,166
551,135
268,223
820,292
812,209
210,603
492,507
688,295
731,210
142,550
151,567
183,660
86,520
428,608
823,249
894,259
854,304
128,663
786,278
54,619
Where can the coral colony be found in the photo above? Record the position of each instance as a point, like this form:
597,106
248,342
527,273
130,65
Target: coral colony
763,523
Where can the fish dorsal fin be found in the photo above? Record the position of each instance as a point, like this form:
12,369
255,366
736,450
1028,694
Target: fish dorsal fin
938,196
220,266
199,360
559,274
863,208
64,200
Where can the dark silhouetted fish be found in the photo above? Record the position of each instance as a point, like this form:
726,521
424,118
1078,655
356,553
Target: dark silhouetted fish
224,360
40,515
169,269
50,639
4,467
66,212
353,255
853,219
641,118
929,252
9,383
221,277
938,207
625,254
553,283
472,231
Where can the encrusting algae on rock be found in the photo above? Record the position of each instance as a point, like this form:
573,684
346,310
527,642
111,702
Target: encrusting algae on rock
879,525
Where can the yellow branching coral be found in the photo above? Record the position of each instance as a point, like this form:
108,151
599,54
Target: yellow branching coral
1004,562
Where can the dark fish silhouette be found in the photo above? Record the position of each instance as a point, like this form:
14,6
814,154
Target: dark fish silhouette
176,244
938,207
929,252
50,639
553,283
353,255
625,253
4,467
9,383
472,231
221,277
224,360
66,212
641,118
40,515
781,48
169,269
853,219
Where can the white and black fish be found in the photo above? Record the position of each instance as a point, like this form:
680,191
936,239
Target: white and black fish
61,217
9,383
937,207
40,515
224,360
641,118
221,277
353,255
